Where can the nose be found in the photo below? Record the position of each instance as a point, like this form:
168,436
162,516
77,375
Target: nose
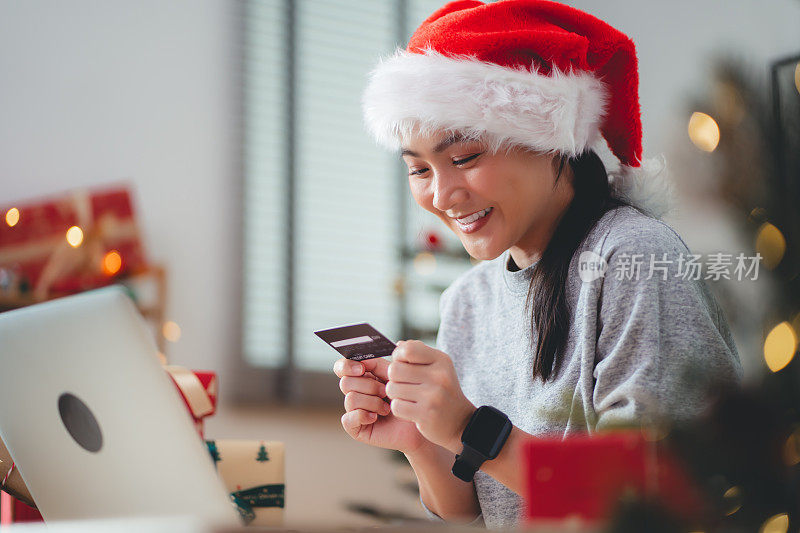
448,189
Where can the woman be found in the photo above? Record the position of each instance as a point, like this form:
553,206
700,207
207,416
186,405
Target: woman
582,315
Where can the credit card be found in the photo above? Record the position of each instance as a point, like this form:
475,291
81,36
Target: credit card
357,341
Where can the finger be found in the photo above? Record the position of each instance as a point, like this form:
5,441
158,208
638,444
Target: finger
367,385
403,391
414,351
378,366
373,376
404,409
353,420
358,400
408,372
345,367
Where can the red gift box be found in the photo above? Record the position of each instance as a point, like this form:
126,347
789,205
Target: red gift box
33,242
585,477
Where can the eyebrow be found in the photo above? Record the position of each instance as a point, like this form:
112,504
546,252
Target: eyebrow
452,139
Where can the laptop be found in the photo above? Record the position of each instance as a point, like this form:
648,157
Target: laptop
95,426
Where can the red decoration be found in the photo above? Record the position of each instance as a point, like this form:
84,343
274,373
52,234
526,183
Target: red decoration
37,248
586,476
432,241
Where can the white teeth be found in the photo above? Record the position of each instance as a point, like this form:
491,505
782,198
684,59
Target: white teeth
473,217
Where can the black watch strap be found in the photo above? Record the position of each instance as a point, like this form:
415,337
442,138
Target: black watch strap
467,463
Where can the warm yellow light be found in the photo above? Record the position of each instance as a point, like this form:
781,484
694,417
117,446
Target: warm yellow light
12,217
112,262
778,523
797,77
771,244
791,449
425,263
703,131
74,236
171,331
779,346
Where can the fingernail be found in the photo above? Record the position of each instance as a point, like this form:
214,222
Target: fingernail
357,368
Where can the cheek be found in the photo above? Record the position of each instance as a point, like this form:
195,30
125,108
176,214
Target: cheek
421,195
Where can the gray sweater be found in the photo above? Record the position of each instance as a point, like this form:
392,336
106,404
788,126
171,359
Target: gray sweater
631,341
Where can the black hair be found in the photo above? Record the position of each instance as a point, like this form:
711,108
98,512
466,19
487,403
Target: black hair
550,316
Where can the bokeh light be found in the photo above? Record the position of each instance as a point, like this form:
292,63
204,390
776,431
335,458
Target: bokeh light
171,331
778,523
733,500
771,244
797,77
779,346
75,236
425,263
791,449
12,217
112,262
703,131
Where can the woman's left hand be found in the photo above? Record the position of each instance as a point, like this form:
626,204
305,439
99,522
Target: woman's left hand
424,389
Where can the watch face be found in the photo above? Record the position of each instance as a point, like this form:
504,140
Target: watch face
483,431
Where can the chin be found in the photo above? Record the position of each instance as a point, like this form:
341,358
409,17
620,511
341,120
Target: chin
483,254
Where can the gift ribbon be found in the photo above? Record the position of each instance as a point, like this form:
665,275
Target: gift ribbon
8,474
192,390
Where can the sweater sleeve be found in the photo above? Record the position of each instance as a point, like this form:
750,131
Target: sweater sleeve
662,338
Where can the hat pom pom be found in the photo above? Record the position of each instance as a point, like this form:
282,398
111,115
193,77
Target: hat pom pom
647,187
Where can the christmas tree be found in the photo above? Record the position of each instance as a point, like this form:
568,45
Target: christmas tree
262,454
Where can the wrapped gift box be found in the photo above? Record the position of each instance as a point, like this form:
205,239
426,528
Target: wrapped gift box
36,250
254,474
198,389
585,477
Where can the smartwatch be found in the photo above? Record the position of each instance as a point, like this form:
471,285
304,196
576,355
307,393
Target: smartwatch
483,438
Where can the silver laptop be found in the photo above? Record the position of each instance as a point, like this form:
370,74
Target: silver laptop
93,423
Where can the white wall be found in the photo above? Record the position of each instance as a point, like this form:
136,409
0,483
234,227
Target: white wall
98,91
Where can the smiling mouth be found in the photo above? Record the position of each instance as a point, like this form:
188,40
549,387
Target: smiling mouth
467,220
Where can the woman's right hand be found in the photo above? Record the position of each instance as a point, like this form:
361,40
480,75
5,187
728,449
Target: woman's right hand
368,418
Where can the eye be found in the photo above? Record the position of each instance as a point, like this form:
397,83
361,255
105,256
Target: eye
459,162
418,172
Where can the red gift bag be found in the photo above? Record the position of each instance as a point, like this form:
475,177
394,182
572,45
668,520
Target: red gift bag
586,476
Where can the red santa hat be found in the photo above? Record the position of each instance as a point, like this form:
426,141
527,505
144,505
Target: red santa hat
530,73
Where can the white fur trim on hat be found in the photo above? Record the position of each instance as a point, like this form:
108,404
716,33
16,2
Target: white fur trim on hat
647,187
560,112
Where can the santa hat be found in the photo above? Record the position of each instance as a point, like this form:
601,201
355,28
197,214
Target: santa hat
529,73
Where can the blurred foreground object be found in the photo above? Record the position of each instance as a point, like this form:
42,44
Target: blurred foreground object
254,474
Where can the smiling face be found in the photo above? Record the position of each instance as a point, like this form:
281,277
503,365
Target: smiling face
453,177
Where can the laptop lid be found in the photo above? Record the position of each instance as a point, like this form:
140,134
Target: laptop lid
91,419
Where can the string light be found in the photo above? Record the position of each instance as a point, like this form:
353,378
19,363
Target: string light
771,244
778,523
112,262
12,217
425,263
171,331
703,131
75,236
779,346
